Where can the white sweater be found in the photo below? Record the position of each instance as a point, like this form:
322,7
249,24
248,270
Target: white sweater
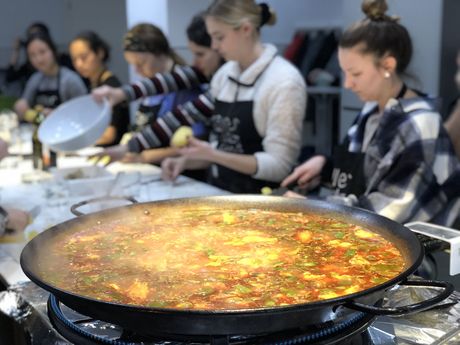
280,98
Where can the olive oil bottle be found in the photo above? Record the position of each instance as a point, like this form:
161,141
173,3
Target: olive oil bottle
37,147
43,158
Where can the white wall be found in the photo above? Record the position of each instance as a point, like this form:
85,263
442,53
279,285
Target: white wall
148,11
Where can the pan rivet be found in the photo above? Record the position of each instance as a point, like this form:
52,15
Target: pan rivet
146,212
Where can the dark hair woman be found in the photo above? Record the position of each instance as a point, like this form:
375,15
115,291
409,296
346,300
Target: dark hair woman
397,159
90,54
51,85
259,104
206,61
147,49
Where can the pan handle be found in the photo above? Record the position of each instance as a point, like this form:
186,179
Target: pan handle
74,208
448,288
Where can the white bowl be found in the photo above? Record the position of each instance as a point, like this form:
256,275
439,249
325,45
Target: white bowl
75,124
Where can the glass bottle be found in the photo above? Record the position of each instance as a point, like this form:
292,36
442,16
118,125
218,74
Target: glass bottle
43,157
49,158
37,147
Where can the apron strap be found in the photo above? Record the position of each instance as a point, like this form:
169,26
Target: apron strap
402,92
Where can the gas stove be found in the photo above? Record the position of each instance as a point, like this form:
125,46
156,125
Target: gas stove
29,307
85,331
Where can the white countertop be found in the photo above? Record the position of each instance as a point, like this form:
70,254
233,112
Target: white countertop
141,181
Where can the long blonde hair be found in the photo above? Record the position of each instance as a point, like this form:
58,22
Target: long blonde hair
235,12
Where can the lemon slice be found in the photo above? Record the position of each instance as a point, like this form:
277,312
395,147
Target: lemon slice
104,160
93,159
266,190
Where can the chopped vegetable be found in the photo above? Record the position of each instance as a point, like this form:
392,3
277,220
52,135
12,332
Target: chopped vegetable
214,259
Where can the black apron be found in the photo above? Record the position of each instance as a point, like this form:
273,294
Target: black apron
348,171
234,131
48,98
348,167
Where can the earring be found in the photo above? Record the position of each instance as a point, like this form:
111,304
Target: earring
387,74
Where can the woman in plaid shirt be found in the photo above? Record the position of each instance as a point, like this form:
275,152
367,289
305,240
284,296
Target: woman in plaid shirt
397,159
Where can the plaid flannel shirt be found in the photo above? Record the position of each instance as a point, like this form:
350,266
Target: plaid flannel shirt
410,167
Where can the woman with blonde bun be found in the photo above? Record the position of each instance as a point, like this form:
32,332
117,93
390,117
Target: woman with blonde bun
254,108
397,159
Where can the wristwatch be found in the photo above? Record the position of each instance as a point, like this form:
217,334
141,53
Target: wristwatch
3,220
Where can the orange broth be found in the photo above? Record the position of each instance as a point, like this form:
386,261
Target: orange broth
217,259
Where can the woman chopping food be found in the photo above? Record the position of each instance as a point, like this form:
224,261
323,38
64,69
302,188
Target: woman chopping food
259,103
397,159
254,108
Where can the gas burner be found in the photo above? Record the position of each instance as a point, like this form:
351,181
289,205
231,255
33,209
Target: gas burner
82,330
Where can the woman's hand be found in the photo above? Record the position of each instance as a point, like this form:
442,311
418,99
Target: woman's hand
131,157
115,153
114,95
198,150
291,194
308,174
17,219
172,167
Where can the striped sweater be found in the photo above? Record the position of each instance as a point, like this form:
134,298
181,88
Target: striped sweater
279,97
182,77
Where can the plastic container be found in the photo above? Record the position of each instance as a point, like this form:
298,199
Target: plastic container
86,180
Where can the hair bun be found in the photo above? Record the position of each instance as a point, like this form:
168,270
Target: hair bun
375,9
268,17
